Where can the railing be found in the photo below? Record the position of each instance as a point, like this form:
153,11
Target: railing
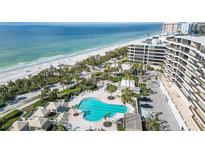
174,109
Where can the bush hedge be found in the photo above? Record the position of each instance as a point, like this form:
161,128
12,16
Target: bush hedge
7,120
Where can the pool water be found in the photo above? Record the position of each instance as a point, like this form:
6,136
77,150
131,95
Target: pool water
95,110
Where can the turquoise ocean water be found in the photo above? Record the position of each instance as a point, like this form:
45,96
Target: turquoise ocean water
24,43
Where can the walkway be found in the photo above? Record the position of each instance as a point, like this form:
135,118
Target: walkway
180,104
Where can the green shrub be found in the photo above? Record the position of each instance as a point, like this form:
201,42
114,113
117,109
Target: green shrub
143,89
115,78
142,85
12,114
34,106
61,128
40,103
2,104
121,128
7,120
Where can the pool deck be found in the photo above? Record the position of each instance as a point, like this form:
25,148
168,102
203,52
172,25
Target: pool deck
80,124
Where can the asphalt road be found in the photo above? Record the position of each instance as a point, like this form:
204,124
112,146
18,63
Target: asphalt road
24,100
158,102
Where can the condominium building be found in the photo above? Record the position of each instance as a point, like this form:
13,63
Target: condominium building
170,28
185,28
151,51
198,28
185,67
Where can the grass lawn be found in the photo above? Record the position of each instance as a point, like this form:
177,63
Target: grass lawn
33,107
68,92
7,120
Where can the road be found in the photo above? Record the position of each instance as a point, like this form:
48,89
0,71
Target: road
25,100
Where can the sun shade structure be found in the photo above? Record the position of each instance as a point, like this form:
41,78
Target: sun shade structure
41,112
39,123
127,84
126,67
20,126
53,107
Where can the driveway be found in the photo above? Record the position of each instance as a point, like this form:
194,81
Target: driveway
157,102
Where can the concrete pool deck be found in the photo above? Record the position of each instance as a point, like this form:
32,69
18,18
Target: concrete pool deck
80,124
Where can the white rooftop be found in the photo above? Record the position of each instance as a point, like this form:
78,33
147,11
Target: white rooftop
41,112
154,41
137,89
37,122
114,65
84,73
138,42
199,39
125,67
19,125
53,106
127,83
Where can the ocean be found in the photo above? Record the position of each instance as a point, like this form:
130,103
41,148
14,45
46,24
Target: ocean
31,43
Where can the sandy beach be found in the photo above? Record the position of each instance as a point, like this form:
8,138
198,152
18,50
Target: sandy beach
25,71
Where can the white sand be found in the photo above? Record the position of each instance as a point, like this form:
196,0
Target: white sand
36,68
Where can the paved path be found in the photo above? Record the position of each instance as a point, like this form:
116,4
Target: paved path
181,105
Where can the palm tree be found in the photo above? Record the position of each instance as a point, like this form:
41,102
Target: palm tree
128,75
65,81
62,83
141,68
106,116
153,123
75,107
127,96
6,94
135,68
111,89
53,95
45,92
77,78
161,67
11,84
125,99
55,75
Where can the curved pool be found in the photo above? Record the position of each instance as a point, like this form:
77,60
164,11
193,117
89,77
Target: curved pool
95,110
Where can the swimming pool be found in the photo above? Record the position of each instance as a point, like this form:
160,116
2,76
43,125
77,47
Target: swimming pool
95,110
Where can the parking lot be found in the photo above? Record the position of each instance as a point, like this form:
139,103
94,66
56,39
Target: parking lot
157,102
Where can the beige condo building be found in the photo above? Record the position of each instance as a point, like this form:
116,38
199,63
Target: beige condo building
170,28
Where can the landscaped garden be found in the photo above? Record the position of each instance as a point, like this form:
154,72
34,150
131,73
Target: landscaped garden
7,120
74,83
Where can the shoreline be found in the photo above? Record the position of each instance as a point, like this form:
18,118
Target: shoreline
33,69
